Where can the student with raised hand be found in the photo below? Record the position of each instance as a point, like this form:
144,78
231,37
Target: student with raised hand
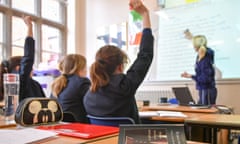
71,86
204,71
112,93
22,65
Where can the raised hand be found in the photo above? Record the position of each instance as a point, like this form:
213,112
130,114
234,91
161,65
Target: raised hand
28,21
140,8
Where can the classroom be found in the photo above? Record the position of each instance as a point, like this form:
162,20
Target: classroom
62,27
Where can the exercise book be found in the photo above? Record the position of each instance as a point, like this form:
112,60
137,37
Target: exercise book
85,131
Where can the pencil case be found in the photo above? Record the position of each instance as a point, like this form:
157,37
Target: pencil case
38,111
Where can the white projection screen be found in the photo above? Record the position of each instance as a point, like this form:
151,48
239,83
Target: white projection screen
218,20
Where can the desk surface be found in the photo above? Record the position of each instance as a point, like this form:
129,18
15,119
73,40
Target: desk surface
156,107
109,139
216,120
5,124
188,111
1,104
177,119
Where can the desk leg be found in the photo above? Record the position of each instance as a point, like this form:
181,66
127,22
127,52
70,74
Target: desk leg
188,132
214,137
199,133
223,136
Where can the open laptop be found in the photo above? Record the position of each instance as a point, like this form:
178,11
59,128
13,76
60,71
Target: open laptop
185,98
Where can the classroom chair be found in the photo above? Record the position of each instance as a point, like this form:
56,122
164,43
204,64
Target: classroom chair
110,121
69,117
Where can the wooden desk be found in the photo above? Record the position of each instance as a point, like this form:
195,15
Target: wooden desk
59,139
5,124
190,112
109,139
1,104
215,121
156,107
177,119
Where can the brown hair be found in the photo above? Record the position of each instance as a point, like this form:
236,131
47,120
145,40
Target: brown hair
106,61
8,66
70,64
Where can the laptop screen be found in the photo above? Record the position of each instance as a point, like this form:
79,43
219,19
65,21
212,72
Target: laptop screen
183,95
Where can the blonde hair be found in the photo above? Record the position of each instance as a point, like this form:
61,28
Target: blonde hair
70,64
200,43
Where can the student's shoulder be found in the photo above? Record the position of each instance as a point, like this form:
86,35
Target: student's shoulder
34,83
210,50
81,80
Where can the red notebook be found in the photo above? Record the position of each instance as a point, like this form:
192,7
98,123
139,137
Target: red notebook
80,130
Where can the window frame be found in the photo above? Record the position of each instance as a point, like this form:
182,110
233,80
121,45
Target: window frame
8,13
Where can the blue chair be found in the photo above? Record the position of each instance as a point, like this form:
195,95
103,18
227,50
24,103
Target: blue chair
110,121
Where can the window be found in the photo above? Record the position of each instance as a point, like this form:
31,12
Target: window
1,1
1,35
51,10
50,43
24,5
18,36
49,28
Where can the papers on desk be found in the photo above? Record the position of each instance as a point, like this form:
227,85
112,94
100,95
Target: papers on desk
23,136
161,113
148,113
171,114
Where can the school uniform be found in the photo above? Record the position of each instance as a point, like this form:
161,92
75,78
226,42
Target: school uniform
205,78
28,86
118,97
71,97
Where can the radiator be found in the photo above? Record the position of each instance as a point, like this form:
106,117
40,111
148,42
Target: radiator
154,96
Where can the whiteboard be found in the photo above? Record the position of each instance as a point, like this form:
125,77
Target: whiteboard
218,20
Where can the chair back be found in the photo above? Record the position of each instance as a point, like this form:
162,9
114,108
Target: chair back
110,121
68,117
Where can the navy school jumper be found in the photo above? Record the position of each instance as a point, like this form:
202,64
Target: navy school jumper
117,99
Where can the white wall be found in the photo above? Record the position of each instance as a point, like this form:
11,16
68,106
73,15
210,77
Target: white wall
76,42
104,13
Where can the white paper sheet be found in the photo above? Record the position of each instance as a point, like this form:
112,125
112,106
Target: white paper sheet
148,113
23,136
171,114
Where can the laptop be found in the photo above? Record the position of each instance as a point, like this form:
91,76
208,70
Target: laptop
152,133
185,98
79,130
183,95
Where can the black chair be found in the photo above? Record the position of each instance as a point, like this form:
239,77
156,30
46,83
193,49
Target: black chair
68,117
110,121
